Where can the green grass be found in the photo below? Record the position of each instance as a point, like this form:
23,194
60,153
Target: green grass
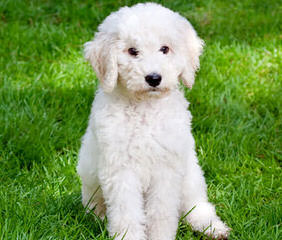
46,90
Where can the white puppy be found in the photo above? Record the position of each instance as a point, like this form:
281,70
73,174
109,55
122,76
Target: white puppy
137,161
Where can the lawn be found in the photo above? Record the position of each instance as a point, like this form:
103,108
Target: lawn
46,90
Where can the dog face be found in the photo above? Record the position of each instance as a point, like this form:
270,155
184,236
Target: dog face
145,49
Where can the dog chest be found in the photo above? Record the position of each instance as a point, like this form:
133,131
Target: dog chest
142,133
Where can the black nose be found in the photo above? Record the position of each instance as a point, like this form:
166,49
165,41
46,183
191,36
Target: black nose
153,79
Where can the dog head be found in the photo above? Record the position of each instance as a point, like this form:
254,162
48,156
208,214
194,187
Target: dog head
145,49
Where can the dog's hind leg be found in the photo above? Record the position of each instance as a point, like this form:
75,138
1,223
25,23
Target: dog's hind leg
92,197
201,213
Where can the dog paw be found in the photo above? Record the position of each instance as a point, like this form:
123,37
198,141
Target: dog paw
218,230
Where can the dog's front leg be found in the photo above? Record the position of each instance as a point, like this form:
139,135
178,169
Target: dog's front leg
125,205
162,205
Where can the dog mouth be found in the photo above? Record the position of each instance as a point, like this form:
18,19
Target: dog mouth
153,91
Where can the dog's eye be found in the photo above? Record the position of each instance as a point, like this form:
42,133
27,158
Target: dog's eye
164,49
133,51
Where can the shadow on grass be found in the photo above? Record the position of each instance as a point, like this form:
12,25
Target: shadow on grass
39,122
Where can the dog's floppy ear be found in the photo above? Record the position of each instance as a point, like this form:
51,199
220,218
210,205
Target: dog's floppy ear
192,48
101,53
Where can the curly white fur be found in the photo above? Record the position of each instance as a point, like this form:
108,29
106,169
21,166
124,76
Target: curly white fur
137,154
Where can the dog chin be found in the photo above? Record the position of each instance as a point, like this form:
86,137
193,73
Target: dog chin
154,93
